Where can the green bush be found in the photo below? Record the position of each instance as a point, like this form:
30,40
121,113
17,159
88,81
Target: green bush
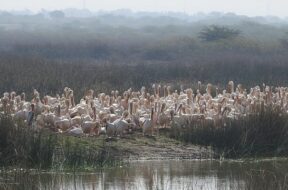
263,134
21,146
215,33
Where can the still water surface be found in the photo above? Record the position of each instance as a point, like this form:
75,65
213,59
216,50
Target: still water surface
262,174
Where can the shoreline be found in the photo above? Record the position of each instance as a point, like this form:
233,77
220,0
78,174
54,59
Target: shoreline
139,148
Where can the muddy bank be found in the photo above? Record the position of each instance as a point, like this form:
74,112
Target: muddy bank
137,147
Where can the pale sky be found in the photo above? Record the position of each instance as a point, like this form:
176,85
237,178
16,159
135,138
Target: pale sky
244,7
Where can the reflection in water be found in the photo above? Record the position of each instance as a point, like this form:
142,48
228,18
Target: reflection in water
160,175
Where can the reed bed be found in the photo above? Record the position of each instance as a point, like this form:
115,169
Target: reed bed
261,134
24,147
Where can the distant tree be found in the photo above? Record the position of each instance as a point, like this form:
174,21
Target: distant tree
214,33
57,14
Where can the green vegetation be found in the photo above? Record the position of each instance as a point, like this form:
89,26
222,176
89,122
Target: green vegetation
24,147
263,134
214,33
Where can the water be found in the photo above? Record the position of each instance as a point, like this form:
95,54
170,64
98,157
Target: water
174,175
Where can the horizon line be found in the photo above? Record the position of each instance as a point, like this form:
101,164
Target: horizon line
133,11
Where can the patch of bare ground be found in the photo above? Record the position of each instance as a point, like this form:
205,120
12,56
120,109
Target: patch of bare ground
158,147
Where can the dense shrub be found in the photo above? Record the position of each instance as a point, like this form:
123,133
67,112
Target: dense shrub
24,147
214,33
20,145
260,134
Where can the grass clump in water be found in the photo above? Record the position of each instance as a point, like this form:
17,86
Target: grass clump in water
22,146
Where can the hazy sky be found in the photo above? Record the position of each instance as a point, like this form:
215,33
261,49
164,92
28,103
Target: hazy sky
247,7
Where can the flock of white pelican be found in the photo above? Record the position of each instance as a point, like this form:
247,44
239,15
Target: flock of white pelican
117,114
